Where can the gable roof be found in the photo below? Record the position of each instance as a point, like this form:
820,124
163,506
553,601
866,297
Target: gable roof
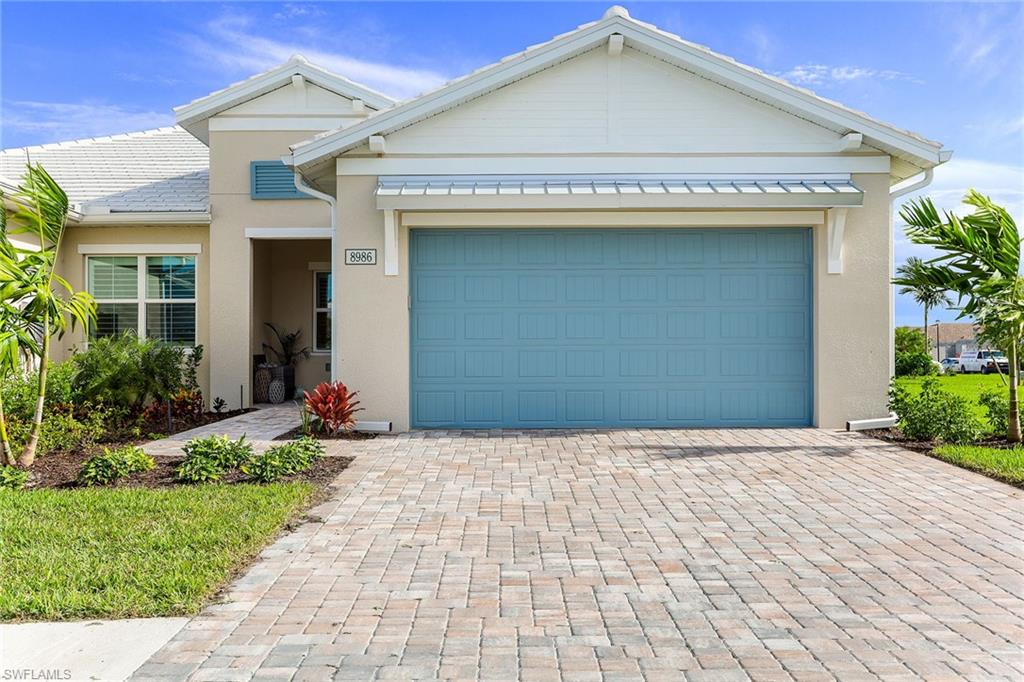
194,115
164,170
916,150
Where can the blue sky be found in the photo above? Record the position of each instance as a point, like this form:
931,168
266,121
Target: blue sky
952,72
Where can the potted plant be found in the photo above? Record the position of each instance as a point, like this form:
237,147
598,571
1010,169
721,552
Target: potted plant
286,355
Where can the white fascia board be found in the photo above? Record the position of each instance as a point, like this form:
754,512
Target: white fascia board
733,166
639,219
190,115
156,249
447,202
144,218
660,45
287,233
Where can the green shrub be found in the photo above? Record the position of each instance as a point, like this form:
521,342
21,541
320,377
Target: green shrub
112,465
997,409
12,478
19,391
284,460
61,431
206,459
125,371
934,414
914,364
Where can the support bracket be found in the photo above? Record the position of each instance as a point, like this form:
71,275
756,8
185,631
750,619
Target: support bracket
836,228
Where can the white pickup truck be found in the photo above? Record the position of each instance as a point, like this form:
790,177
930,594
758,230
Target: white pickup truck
984,361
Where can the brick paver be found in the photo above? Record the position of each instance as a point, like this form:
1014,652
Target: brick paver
658,555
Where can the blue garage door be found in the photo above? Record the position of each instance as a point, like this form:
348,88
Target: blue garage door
602,328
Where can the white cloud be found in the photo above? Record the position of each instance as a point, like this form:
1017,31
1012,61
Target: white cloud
986,38
232,42
763,42
823,74
49,121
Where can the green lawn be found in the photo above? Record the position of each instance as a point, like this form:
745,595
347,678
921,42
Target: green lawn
130,552
1001,464
969,386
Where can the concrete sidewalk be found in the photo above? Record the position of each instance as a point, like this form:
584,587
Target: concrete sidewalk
108,650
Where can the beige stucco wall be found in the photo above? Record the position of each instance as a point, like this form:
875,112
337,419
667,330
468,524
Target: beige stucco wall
231,255
71,266
851,310
285,299
853,313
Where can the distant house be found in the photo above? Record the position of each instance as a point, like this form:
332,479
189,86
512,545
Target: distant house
952,338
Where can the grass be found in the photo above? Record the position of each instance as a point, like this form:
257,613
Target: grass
999,463
969,386
132,552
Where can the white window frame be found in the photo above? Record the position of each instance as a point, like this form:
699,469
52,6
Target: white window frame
326,309
141,299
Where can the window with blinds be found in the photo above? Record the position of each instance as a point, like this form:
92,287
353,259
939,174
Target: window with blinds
322,311
154,296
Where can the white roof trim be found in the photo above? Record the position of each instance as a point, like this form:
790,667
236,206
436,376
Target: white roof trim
192,116
582,192
142,218
643,37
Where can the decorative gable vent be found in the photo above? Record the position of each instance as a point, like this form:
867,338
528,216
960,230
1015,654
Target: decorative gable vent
273,180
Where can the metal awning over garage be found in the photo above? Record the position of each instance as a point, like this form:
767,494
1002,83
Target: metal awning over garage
425,192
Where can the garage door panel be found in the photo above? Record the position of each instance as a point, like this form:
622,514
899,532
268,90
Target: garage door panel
537,328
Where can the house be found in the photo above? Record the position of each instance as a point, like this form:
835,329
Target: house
951,338
613,228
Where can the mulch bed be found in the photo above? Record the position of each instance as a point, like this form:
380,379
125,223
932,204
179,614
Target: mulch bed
60,470
343,435
895,436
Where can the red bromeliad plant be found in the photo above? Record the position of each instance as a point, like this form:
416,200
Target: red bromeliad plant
334,405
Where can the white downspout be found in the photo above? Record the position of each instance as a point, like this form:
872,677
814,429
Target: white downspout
886,422
333,203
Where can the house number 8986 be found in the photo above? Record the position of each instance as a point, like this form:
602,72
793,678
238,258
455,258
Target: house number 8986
360,256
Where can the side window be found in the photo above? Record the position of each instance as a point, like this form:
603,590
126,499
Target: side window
322,311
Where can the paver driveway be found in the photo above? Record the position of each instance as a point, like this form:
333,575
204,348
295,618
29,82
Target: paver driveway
797,554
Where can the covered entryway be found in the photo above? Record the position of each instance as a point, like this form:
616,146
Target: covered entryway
538,328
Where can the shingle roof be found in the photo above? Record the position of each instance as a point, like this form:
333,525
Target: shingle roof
165,169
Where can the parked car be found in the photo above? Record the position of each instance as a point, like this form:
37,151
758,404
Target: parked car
950,364
984,361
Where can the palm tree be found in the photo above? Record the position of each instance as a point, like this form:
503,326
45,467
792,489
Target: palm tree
979,260
914,278
31,292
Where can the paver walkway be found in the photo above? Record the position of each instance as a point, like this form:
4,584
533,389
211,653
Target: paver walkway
747,554
259,427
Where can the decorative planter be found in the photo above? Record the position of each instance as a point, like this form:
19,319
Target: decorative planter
261,384
277,391
286,373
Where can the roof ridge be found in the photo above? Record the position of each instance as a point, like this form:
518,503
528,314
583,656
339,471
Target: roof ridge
100,138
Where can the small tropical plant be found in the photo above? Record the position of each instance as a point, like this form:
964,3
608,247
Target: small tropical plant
126,371
111,465
979,261
289,351
997,407
284,460
44,303
334,405
219,404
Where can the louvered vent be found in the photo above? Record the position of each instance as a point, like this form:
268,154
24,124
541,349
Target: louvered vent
273,180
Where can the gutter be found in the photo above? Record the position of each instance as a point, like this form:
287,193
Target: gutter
333,203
